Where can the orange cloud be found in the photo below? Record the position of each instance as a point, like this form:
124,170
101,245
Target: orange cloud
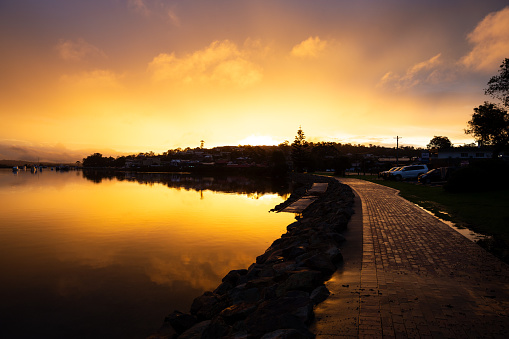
221,62
309,48
173,18
92,79
139,6
490,40
425,71
77,50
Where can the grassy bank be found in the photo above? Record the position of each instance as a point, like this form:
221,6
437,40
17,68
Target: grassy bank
485,212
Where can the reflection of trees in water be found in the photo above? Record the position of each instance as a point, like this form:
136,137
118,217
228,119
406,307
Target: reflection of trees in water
253,186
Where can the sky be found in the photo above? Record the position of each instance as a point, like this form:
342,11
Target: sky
129,76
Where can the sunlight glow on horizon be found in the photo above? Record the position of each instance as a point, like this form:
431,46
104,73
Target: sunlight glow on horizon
259,140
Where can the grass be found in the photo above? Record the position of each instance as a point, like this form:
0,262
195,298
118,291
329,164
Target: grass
486,212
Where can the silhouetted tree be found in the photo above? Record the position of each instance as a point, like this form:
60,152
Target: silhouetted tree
95,160
498,85
278,163
323,155
341,163
490,126
439,142
300,151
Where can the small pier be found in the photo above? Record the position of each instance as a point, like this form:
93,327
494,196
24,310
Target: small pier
311,195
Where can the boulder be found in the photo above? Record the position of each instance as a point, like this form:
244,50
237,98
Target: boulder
196,331
208,305
223,288
242,294
237,312
293,251
181,321
319,294
233,276
320,262
280,313
305,280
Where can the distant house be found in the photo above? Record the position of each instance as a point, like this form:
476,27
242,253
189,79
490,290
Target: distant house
152,162
463,153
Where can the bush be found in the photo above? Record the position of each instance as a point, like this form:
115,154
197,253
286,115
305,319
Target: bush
485,175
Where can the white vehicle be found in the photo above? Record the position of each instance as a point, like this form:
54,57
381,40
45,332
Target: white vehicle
385,174
408,172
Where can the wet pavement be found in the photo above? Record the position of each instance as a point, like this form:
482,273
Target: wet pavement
406,274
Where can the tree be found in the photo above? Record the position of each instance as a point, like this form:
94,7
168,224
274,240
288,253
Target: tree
439,142
490,126
498,85
299,151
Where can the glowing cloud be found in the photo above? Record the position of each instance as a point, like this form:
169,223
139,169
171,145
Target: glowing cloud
77,50
309,48
490,40
220,63
139,6
425,71
174,18
92,79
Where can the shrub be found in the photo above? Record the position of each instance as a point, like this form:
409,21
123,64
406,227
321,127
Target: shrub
479,176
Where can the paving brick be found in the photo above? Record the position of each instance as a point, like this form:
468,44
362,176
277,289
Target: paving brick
416,276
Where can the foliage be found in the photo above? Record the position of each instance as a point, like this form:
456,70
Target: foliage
439,142
97,160
300,151
278,163
490,126
480,176
341,164
498,85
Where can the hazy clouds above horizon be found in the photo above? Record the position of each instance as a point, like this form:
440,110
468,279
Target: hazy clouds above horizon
141,75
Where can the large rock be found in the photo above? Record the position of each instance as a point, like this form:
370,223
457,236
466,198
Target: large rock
305,280
208,305
181,321
280,313
321,262
242,294
196,331
319,294
237,312
233,276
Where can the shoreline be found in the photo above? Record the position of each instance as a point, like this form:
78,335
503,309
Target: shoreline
276,295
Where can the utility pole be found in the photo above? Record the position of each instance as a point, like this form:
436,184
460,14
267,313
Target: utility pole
397,148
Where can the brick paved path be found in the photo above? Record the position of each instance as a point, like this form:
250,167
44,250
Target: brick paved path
413,277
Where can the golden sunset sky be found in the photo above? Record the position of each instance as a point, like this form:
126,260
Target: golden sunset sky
118,76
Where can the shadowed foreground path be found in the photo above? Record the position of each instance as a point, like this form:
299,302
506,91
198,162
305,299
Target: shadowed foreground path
408,275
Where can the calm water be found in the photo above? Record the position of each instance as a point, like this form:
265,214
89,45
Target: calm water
91,257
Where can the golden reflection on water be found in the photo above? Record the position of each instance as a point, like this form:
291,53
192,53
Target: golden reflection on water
179,239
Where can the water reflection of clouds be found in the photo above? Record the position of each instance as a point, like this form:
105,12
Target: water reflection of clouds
106,251
203,271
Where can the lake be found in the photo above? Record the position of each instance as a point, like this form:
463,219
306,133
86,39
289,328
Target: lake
89,255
